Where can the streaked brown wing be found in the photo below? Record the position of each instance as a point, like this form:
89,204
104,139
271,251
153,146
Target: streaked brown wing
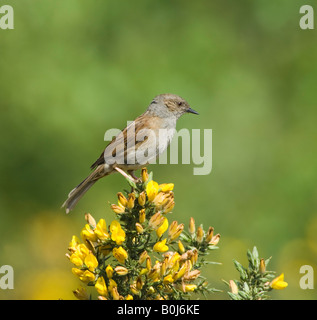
117,147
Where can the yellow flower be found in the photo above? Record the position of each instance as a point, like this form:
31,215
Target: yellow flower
121,271
156,220
85,276
74,243
143,256
101,287
82,250
142,199
76,259
117,234
262,266
81,294
142,215
173,261
181,248
122,200
117,208
175,230
191,227
109,271
169,206
133,289
189,287
101,230
163,227
151,190
139,283
200,234
139,228
78,256
129,297
88,233
131,200
120,254
168,279
165,187
144,175
112,284
91,261
115,293
164,201
160,246
181,271
148,263
278,283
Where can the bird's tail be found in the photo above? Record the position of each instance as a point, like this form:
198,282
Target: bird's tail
77,193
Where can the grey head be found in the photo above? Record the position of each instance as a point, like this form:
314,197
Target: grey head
169,105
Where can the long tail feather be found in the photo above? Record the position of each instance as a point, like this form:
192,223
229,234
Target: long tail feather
77,193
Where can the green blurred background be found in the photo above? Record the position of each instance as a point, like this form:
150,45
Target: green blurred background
72,69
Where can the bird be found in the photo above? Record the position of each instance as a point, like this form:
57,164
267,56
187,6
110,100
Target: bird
143,139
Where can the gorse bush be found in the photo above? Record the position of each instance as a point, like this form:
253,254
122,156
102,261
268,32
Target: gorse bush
255,280
142,255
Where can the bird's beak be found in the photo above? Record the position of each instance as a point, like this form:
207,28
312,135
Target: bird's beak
190,110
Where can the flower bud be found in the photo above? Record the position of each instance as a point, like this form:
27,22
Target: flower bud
175,231
139,283
144,175
233,287
162,228
115,293
209,235
131,199
200,234
142,199
262,266
142,215
156,220
143,256
117,209
139,228
121,271
109,271
90,220
181,248
81,294
148,263
122,199
191,227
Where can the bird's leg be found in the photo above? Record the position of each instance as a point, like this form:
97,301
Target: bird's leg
131,173
129,177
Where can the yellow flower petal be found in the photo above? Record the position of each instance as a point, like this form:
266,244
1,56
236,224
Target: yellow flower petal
120,254
117,234
151,190
101,287
163,227
91,261
165,187
160,246
88,233
101,230
278,283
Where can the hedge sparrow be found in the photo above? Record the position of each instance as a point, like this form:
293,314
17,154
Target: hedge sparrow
142,140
